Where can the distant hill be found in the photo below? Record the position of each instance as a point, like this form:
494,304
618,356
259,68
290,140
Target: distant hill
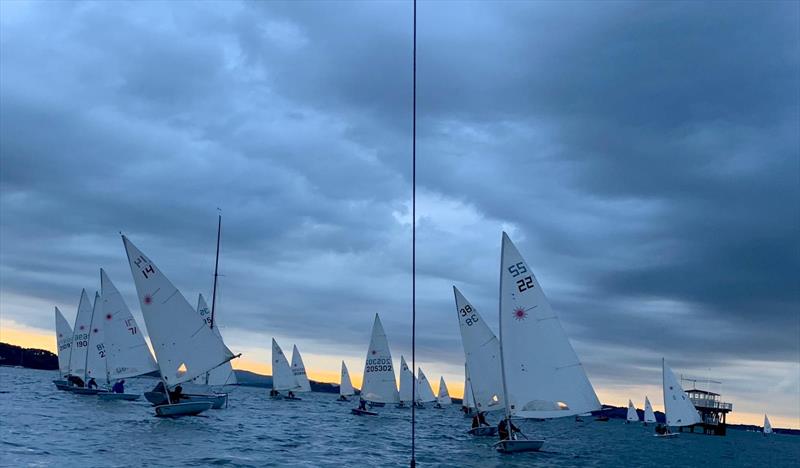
12,355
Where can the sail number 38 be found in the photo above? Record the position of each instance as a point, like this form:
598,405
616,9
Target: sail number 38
467,312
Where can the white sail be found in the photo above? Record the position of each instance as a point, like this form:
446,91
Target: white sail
425,392
649,415
444,395
469,398
632,416
379,384
282,377
222,375
96,355
482,353
299,370
63,342
407,381
678,408
127,352
80,337
543,376
184,346
767,425
345,384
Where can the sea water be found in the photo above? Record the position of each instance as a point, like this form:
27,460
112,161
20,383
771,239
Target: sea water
41,426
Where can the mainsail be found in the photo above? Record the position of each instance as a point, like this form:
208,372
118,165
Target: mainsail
299,370
184,345
543,377
222,375
767,425
649,415
468,401
425,392
282,377
444,395
678,408
80,337
632,416
482,353
407,381
379,385
345,384
127,354
63,341
96,354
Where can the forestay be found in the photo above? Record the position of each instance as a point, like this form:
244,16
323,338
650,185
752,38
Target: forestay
63,341
407,381
632,416
222,375
379,381
679,409
184,345
282,377
425,392
543,376
80,337
482,353
649,415
444,394
299,370
127,351
96,354
345,384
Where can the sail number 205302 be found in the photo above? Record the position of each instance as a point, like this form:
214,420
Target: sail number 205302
525,283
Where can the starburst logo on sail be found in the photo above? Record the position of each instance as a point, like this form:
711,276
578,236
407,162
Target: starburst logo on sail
148,300
108,316
520,314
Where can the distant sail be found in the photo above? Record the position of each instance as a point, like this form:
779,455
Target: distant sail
222,375
184,346
63,341
767,425
543,376
469,398
678,407
444,396
649,415
127,351
282,377
80,337
482,354
96,366
425,393
379,381
345,384
632,416
299,371
407,381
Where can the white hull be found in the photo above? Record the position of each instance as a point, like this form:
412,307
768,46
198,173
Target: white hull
217,400
182,409
484,431
667,436
519,445
118,396
87,391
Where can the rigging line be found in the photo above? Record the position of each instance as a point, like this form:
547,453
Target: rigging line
414,238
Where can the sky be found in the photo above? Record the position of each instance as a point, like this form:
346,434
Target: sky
644,157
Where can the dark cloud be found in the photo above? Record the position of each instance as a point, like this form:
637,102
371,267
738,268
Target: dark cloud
643,156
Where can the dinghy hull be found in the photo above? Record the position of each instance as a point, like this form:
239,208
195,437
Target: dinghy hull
62,385
118,396
519,445
176,410
87,391
484,431
361,412
217,400
667,436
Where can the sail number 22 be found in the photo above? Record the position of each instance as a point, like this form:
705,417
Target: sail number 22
524,283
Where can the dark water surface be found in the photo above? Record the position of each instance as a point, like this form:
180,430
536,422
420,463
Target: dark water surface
40,426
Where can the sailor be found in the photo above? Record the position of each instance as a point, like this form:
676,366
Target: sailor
362,404
177,394
502,429
92,383
291,394
119,387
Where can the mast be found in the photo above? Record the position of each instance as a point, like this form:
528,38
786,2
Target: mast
216,271
502,360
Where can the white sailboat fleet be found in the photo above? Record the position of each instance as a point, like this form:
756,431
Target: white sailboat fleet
632,415
283,379
345,384
443,398
678,409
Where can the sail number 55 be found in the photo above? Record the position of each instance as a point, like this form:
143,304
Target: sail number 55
467,311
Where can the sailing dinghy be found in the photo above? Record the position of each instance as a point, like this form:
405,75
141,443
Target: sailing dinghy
678,409
222,375
632,415
649,415
64,344
184,346
468,400
345,385
767,426
80,343
424,390
299,370
379,382
283,379
95,362
443,398
126,352
541,374
407,382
